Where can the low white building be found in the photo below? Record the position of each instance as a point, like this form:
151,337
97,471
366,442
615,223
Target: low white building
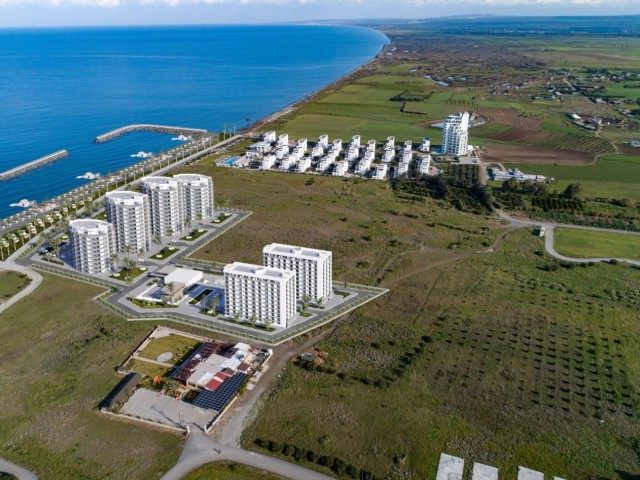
389,155
283,140
302,144
262,293
371,146
260,147
297,153
287,163
425,146
352,154
267,162
269,137
504,175
317,152
304,165
363,167
407,156
282,151
323,141
391,142
355,141
423,164
324,164
342,167
313,267
370,155
381,171
337,143
408,146
183,278
401,169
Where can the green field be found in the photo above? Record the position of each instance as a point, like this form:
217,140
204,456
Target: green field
179,346
58,366
581,243
230,471
11,283
614,176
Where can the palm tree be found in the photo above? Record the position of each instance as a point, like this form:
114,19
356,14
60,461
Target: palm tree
157,239
170,233
253,319
267,323
236,317
172,388
114,257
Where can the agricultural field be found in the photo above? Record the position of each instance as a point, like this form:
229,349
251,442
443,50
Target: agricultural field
508,154
585,244
11,283
58,366
614,176
495,358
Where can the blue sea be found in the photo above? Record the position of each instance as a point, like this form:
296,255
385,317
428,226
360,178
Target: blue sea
60,88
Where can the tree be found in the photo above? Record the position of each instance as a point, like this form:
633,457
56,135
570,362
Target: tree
157,239
114,257
172,388
253,319
267,323
305,303
129,263
573,190
170,233
236,317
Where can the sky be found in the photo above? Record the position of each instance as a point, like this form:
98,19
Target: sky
36,13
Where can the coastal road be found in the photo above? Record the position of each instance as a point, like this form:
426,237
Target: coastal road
13,469
549,232
199,451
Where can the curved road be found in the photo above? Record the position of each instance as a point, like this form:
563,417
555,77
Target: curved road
548,241
15,470
36,280
200,451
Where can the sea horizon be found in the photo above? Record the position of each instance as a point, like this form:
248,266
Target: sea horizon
75,86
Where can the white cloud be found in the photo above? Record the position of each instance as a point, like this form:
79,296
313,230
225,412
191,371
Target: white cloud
361,3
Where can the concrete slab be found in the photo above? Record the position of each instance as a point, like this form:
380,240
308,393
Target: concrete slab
450,467
528,474
155,407
484,472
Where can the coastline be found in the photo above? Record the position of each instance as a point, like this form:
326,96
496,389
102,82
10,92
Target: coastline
292,107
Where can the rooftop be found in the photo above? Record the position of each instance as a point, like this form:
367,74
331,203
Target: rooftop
89,226
258,271
126,198
298,252
160,182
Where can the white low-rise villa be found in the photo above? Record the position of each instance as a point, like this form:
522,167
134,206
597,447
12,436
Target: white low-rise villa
341,168
313,267
260,294
381,171
92,245
423,164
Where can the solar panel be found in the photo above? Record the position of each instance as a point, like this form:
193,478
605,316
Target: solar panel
220,398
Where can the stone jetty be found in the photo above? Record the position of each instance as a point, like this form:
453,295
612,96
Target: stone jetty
14,172
147,128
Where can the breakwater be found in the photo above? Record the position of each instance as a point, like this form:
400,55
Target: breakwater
143,127
14,172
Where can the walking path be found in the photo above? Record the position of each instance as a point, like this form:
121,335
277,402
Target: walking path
199,451
13,469
548,241
35,277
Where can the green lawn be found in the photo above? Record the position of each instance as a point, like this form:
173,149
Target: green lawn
11,283
582,243
58,366
178,345
127,274
614,176
149,369
230,471
165,253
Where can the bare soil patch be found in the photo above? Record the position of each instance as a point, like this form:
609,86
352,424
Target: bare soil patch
496,152
629,150
509,116
520,135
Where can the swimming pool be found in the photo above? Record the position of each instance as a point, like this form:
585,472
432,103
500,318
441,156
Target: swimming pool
230,161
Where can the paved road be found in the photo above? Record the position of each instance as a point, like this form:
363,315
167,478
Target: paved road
549,232
21,473
36,280
199,451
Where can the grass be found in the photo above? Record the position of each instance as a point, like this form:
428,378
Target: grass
12,283
179,346
230,471
614,176
222,217
127,274
58,366
147,368
586,244
195,234
489,357
148,304
165,253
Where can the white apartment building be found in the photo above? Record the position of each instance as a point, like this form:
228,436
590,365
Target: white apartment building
341,168
352,154
198,196
287,163
403,167
333,153
363,167
455,134
130,215
380,173
369,155
337,143
318,151
298,153
407,156
269,137
423,164
408,145
303,144
425,146
166,201
371,146
313,268
323,141
304,165
283,140
389,155
92,244
355,141
263,293
282,151
391,142
324,164
267,162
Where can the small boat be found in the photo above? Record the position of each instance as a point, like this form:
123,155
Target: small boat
182,138
89,176
24,203
141,155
